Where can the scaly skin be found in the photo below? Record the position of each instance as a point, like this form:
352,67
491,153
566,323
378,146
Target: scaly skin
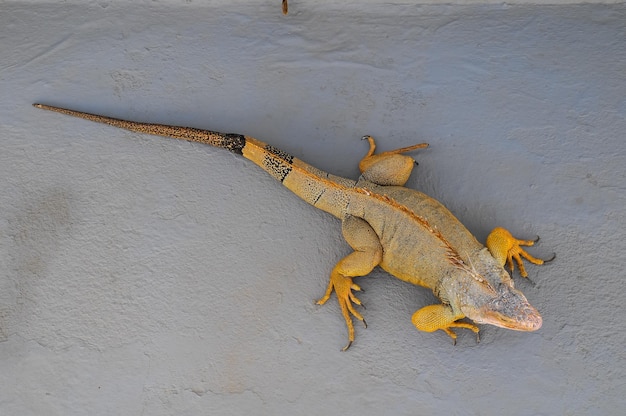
407,233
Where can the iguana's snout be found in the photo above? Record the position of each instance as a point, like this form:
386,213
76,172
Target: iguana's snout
509,309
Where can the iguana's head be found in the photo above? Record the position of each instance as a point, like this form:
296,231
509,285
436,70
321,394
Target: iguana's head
492,299
508,308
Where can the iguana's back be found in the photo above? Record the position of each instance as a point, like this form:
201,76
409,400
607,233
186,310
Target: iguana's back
410,226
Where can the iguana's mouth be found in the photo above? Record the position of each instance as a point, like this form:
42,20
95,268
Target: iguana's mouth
525,319
510,310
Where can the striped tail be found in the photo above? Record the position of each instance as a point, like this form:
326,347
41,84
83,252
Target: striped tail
313,185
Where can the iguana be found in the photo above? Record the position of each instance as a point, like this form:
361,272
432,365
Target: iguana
405,232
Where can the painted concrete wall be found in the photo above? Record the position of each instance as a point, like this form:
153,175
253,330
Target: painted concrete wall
140,275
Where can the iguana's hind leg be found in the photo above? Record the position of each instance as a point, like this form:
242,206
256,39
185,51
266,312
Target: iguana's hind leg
388,168
433,317
367,254
505,248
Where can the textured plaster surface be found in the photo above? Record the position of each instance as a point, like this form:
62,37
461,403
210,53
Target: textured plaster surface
141,275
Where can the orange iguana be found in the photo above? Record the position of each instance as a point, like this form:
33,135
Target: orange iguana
405,232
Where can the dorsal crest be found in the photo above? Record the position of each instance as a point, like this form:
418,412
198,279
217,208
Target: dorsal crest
452,254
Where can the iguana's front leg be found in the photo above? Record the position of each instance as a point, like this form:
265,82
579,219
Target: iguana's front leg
505,248
433,317
367,254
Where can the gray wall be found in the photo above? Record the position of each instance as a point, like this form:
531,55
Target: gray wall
141,275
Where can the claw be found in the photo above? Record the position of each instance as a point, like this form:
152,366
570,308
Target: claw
466,325
343,287
507,249
451,334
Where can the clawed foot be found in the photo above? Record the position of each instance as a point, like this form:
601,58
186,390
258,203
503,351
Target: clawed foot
506,248
390,168
469,326
434,317
343,287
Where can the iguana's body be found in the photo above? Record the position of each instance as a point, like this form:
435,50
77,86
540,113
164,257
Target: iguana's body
407,233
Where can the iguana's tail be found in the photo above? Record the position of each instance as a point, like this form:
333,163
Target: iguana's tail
233,142
311,184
